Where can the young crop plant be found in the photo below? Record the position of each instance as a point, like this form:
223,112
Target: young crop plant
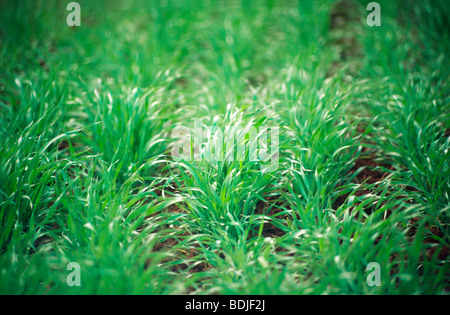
127,130
224,177
244,147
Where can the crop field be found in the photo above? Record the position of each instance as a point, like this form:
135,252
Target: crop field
224,147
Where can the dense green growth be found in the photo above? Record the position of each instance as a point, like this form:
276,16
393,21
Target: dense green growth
87,176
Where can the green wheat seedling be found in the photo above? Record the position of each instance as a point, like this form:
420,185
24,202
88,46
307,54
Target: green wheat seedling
356,175
222,193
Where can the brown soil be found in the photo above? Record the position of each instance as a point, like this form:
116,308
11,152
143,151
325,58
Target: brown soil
447,133
371,173
45,239
433,231
189,255
64,144
43,64
262,208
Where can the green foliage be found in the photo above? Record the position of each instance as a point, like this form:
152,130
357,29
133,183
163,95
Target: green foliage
363,165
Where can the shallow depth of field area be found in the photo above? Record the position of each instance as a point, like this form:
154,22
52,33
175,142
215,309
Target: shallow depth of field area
88,175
